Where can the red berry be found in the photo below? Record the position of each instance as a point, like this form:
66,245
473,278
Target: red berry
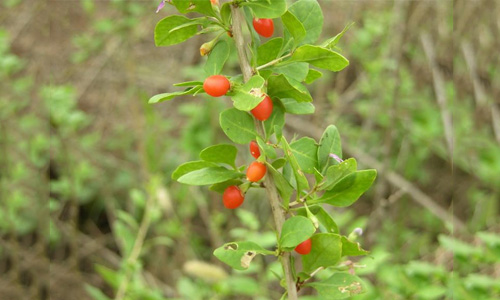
254,149
264,27
256,171
232,197
304,247
216,85
264,110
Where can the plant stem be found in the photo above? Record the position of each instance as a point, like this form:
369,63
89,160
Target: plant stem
139,242
271,191
273,62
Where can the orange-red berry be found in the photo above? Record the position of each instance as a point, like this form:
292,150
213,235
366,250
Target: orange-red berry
304,247
254,149
264,110
232,197
216,85
264,27
256,171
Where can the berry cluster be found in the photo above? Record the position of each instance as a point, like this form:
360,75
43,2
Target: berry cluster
233,196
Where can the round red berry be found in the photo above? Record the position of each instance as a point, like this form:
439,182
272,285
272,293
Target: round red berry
304,247
216,85
264,110
232,197
264,27
254,149
256,171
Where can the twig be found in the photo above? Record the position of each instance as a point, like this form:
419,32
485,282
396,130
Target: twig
272,62
439,88
395,179
139,242
110,256
479,92
272,193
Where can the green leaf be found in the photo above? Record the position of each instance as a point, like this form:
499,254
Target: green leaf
329,143
209,176
339,286
282,87
332,42
294,26
269,150
279,163
277,118
296,71
169,96
278,132
309,13
266,9
297,108
300,178
222,186
320,57
217,58
325,252
95,293
110,276
348,189
284,188
238,126
312,75
239,255
337,172
249,95
190,167
169,30
225,13
295,230
201,6
269,50
350,248
323,217
222,153
305,151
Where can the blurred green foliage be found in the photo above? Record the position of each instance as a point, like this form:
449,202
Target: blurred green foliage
53,144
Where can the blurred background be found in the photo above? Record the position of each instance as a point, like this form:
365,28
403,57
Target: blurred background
87,206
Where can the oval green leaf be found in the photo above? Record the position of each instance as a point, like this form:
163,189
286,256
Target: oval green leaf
217,58
238,255
329,143
209,176
238,126
325,252
190,167
281,86
320,57
169,30
222,153
348,190
295,230
305,151
339,286
266,9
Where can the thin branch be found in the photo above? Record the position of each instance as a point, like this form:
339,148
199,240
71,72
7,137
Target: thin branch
439,88
479,91
272,193
137,248
273,62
